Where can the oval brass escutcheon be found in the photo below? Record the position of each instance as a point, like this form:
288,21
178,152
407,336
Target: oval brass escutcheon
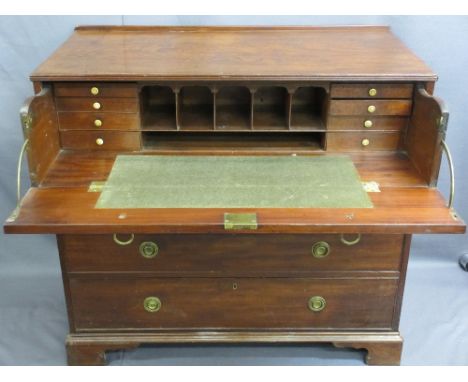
148,249
317,303
94,90
152,304
320,249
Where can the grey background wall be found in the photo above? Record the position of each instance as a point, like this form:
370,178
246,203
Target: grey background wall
32,311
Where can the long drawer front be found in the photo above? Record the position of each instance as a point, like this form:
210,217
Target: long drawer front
232,303
212,254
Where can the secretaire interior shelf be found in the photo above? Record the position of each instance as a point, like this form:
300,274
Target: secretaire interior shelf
232,108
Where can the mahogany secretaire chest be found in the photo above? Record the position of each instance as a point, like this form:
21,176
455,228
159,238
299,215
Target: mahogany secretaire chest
233,184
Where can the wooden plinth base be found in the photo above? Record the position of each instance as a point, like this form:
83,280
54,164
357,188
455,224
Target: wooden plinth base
89,349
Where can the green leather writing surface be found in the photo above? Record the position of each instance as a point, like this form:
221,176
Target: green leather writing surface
166,181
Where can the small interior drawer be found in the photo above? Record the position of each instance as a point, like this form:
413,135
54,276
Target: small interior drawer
70,120
101,104
106,302
96,89
100,140
363,141
367,123
370,107
211,254
375,90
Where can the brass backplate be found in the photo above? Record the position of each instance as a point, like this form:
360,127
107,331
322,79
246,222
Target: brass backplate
240,221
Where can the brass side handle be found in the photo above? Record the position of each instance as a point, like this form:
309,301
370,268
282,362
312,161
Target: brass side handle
152,304
321,249
149,249
121,242
317,303
446,150
15,212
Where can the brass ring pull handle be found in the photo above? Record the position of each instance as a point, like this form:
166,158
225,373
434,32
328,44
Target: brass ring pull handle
452,172
149,249
317,303
120,242
15,212
321,249
152,304
351,242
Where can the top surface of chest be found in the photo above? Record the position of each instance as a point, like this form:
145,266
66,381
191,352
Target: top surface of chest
235,53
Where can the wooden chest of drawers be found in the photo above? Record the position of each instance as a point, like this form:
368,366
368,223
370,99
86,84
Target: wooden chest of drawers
287,273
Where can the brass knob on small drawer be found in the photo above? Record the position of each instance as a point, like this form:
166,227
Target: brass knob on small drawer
320,249
99,141
317,303
97,123
152,304
148,249
372,92
96,105
94,90
365,142
371,108
368,123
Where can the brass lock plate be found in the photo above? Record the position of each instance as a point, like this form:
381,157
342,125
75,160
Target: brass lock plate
240,221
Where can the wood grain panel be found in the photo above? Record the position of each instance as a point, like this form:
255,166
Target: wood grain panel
123,105
247,53
39,122
386,90
360,107
231,254
426,130
86,121
216,303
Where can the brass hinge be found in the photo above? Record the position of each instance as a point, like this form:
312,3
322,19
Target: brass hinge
96,186
371,186
26,122
442,123
240,221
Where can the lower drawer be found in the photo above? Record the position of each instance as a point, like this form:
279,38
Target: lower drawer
100,140
228,303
